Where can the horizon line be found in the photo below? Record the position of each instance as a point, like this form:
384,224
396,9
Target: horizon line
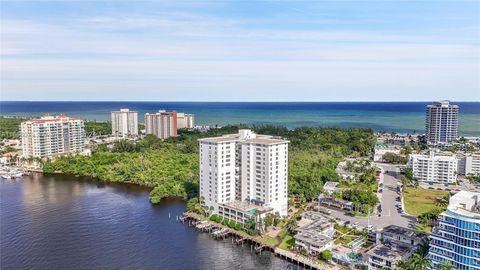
244,101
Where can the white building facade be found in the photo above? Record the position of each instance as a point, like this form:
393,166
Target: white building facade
125,123
469,164
162,124
245,167
185,120
441,122
434,168
51,136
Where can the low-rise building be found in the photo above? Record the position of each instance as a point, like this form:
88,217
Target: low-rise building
394,244
380,151
337,203
385,256
317,222
434,167
331,187
315,233
312,242
242,211
399,235
395,139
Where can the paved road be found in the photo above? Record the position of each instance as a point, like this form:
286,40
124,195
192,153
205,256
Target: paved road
389,215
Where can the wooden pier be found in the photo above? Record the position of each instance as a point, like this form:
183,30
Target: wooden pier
220,231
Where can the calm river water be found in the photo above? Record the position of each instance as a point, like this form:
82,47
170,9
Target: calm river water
60,222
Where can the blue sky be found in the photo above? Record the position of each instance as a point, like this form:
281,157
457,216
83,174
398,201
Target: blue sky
240,50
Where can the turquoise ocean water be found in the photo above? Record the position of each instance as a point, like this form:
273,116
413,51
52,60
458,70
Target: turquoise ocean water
380,116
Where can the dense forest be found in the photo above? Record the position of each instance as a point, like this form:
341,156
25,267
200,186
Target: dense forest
170,167
99,128
9,127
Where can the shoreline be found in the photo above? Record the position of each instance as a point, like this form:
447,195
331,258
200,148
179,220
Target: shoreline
237,236
86,178
257,245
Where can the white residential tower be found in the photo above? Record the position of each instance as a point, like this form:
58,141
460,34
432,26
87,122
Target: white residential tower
125,123
434,168
244,167
441,122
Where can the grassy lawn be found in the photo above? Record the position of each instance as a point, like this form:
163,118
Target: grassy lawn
287,242
268,240
359,214
419,201
342,229
345,239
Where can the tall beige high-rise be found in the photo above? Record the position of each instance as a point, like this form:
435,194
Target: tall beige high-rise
185,120
162,124
51,136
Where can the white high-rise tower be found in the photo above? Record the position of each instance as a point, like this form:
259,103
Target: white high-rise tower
244,167
441,122
125,123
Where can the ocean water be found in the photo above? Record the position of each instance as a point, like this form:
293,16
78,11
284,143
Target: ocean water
381,116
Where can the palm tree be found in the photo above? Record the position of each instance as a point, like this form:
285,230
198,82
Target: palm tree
418,262
414,182
404,184
403,265
291,225
446,266
423,248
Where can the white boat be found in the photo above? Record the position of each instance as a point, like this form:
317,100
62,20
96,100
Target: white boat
17,175
6,176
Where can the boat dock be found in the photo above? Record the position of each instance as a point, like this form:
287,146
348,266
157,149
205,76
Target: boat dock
219,231
7,172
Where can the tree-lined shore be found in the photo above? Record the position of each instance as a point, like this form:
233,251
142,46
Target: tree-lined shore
170,167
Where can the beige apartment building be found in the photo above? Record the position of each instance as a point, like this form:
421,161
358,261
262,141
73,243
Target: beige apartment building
185,120
52,135
161,124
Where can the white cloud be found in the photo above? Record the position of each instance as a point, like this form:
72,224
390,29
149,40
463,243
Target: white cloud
176,56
